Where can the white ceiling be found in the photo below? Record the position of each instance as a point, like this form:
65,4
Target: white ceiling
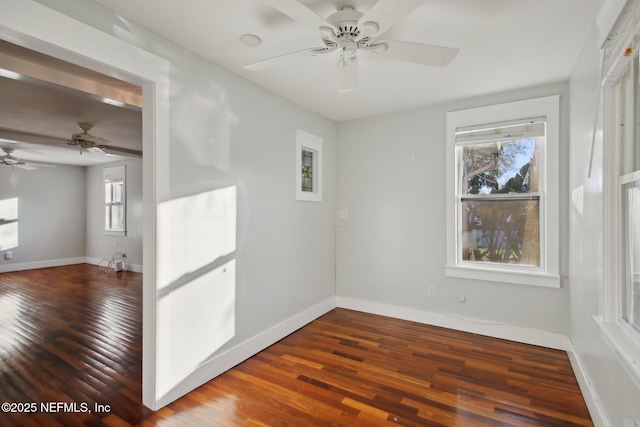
43,99
504,45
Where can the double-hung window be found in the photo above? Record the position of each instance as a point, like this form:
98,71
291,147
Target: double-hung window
502,189
620,309
624,176
115,201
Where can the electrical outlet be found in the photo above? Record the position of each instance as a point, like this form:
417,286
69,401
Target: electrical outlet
462,297
431,291
8,255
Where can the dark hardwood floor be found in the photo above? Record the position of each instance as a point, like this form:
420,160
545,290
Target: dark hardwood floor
71,334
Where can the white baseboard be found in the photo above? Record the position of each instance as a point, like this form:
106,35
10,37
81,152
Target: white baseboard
588,391
8,268
476,326
242,351
40,264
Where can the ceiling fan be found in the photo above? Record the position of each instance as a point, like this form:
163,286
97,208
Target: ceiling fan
349,31
88,142
9,160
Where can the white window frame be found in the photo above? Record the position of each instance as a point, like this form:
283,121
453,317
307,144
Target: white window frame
308,142
619,95
548,275
111,174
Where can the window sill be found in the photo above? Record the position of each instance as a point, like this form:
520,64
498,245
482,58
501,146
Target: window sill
505,275
114,233
623,344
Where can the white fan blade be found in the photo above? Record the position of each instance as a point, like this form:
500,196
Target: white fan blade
278,60
347,76
27,167
123,151
418,53
96,151
387,13
301,13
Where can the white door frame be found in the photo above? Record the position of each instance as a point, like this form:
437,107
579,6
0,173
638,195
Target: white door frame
39,28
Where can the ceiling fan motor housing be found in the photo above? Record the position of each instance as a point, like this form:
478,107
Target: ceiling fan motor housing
346,21
349,36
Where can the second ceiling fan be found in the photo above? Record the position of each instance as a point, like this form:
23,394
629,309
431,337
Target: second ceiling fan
349,31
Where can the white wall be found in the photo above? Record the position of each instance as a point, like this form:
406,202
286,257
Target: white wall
614,391
99,245
393,245
228,133
52,216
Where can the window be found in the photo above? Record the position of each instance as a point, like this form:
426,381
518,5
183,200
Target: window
630,292
115,201
308,167
8,224
503,192
307,170
620,308
623,177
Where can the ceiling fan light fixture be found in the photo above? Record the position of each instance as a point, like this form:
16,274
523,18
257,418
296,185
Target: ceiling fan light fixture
348,55
250,40
347,74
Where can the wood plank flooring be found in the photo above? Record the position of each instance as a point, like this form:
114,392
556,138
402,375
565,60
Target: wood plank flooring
72,334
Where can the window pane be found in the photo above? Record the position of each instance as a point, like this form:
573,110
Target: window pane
307,170
117,217
631,255
108,192
499,167
118,191
501,230
8,223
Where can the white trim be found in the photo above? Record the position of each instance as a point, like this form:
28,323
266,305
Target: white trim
624,345
505,275
39,28
466,324
629,178
591,398
549,273
313,143
136,268
41,264
244,350
607,17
